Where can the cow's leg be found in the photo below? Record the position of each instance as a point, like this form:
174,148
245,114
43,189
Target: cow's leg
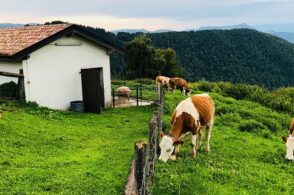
194,144
199,141
158,87
184,91
208,135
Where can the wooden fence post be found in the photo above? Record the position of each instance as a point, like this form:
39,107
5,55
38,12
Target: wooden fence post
113,98
141,93
146,156
137,95
140,154
152,149
21,86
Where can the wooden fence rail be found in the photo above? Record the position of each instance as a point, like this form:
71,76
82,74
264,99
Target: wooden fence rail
143,168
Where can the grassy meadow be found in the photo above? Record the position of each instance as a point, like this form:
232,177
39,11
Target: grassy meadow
44,151
247,153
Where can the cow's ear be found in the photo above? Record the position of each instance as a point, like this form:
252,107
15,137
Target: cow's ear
284,138
178,142
161,134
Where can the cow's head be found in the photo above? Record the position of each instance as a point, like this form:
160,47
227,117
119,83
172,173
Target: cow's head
289,142
187,91
166,147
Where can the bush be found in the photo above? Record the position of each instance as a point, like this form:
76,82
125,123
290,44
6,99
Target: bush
229,119
223,109
208,86
10,90
271,124
145,81
252,126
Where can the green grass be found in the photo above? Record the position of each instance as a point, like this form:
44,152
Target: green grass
44,151
250,161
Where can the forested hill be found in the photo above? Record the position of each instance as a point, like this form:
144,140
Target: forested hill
239,56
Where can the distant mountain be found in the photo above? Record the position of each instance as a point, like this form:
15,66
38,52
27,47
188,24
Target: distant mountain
238,26
11,25
238,55
284,31
289,27
133,31
285,35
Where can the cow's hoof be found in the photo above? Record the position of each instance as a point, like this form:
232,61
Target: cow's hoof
207,151
193,154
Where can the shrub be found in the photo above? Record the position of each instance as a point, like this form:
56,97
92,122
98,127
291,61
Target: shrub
9,90
223,109
252,126
145,81
208,86
271,124
229,119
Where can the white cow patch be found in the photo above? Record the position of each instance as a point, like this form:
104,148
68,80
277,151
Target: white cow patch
188,107
166,148
290,147
203,94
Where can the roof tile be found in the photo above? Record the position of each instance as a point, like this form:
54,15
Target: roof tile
14,40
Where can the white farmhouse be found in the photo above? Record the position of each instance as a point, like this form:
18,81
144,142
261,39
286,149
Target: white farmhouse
60,63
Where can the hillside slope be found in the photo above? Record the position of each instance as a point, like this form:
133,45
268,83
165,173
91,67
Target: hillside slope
239,56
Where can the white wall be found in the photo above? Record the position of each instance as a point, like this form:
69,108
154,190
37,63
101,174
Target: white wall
12,67
52,73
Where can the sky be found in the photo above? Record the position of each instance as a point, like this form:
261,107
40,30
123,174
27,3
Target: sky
148,14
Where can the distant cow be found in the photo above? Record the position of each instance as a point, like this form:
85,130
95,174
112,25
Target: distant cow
289,142
187,118
292,126
179,83
163,81
123,92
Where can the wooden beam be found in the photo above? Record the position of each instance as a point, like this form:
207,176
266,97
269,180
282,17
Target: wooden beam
9,74
131,187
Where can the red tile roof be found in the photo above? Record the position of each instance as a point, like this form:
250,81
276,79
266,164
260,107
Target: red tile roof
14,40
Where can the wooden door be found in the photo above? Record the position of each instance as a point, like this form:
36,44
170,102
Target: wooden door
93,89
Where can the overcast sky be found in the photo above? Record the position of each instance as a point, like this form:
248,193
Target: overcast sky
148,14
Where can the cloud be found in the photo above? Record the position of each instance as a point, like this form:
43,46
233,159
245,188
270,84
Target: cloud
157,12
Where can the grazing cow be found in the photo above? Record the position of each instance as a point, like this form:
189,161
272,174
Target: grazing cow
188,117
163,81
179,83
123,92
289,142
292,126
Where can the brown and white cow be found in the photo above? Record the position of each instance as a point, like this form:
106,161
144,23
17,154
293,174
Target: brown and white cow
179,83
188,118
289,142
162,81
291,128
